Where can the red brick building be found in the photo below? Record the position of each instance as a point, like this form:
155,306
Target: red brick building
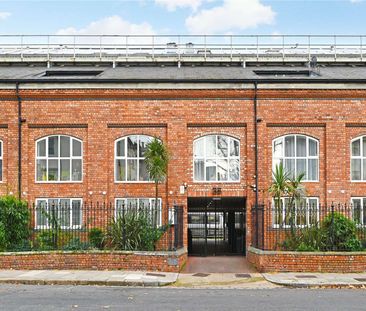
77,132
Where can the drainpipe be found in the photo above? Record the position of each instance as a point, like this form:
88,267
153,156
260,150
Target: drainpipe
256,162
20,120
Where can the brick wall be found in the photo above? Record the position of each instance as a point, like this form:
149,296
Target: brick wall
333,262
334,117
95,260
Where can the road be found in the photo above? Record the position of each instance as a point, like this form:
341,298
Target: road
33,297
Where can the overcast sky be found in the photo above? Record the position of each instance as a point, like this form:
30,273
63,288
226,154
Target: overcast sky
182,17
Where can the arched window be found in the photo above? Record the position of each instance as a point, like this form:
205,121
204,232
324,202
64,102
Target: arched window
59,159
299,154
358,159
130,163
1,161
216,158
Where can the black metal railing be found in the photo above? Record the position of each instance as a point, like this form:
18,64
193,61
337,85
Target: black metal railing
76,225
309,227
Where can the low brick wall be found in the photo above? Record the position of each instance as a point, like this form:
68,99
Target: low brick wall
281,261
171,261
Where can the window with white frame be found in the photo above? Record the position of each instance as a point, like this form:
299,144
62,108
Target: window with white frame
65,213
298,154
358,159
304,212
145,206
130,163
216,159
359,210
59,159
1,161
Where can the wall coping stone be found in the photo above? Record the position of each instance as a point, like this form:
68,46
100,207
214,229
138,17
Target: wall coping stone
295,253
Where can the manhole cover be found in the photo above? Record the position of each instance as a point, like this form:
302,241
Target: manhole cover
201,275
156,274
243,275
360,279
306,276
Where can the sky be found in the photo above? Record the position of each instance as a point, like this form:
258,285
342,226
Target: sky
183,17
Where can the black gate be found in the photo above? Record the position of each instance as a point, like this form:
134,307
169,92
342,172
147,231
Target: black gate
216,226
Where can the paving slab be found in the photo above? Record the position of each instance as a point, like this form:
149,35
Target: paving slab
87,277
352,280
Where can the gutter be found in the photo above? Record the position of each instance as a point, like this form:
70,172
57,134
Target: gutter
20,121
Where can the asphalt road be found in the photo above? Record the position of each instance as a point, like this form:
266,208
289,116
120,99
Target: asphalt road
31,297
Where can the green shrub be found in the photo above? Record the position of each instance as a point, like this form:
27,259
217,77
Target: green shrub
76,244
3,242
51,239
133,231
96,238
339,233
14,217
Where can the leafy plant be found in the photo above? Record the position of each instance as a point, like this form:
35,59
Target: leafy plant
51,239
3,242
96,238
76,244
133,231
340,233
156,159
14,219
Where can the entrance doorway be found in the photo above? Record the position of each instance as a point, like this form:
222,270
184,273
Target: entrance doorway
216,226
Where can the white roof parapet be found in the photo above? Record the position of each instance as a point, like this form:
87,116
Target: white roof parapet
181,48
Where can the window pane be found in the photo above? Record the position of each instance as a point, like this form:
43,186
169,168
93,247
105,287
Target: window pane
300,146
120,170
199,167
65,170
210,146
131,170
53,146
144,204
52,211
143,173
198,147
41,148
364,146
1,149
41,170
64,212
364,169
132,146
41,213
143,142
120,152
76,148
76,170
364,211
356,169
313,147
52,170
234,148
313,211
76,212
278,148
222,146
301,167
356,215
312,169
290,166
1,170
64,146
290,146
222,170
356,148
132,203
234,170
211,170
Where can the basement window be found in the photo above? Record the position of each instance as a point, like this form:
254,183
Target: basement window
67,73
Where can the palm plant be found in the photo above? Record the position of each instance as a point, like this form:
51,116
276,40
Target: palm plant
156,159
296,191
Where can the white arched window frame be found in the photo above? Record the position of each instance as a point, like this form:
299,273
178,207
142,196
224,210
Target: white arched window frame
216,158
129,164
358,159
1,160
298,153
59,159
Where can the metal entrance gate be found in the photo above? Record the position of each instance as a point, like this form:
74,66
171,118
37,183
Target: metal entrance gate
216,226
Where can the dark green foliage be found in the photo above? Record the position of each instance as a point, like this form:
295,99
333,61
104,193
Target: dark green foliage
14,219
76,244
339,233
133,231
96,238
51,239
